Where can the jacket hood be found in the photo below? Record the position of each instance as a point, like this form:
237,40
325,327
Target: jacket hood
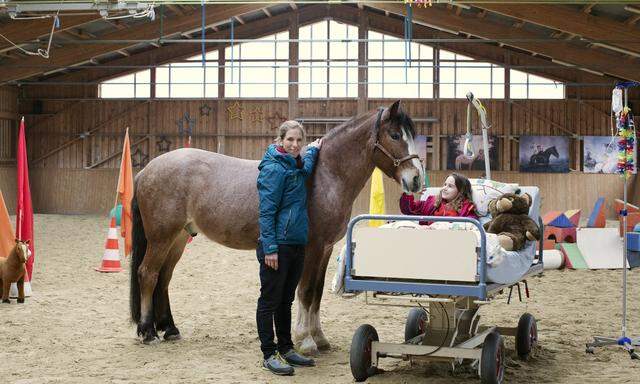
272,155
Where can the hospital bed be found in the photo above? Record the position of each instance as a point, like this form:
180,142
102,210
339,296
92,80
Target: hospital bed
443,275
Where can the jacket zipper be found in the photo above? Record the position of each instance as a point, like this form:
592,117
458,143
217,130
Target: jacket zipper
286,227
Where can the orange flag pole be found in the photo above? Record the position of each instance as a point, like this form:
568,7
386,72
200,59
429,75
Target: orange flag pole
125,193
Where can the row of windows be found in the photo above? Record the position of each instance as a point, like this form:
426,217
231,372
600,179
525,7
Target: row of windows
260,69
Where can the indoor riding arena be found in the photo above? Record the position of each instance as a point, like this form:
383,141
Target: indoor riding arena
132,219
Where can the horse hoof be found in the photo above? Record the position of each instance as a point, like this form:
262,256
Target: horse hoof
308,347
20,301
322,343
151,340
6,301
172,335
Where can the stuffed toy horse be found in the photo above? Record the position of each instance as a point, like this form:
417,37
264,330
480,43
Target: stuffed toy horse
13,270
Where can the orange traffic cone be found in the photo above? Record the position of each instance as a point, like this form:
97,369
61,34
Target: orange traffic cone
111,258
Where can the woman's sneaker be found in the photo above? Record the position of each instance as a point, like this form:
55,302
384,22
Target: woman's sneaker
277,365
294,358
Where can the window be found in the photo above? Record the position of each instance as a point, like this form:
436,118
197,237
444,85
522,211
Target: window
259,68
461,74
397,72
526,86
188,78
328,69
133,85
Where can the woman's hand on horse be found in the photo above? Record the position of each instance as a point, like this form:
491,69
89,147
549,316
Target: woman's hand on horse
271,260
317,143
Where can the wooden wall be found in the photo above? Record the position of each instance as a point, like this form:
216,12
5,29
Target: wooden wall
8,120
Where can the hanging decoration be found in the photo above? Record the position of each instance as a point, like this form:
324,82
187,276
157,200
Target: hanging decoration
256,115
235,111
626,142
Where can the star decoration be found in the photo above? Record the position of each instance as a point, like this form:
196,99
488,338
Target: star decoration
235,111
257,115
205,109
190,123
163,145
276,119
139,158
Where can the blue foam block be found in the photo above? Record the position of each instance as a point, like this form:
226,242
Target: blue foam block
633,258
594,214
636,228
561,221
633,241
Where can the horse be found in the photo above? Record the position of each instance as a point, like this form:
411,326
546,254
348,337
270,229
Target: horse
188,190
542,158
13,269
468,160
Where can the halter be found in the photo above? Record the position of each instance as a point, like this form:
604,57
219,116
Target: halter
396,162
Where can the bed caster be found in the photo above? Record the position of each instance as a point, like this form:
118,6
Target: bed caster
526,336
416,323
360,353
492,359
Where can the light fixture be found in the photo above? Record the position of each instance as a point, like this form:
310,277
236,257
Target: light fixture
561,63
617,49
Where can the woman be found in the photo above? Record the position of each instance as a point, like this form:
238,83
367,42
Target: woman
283,236
454,199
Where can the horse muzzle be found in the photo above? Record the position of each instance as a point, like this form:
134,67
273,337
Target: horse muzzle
412,184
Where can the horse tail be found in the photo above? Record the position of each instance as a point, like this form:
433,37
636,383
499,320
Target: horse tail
139,248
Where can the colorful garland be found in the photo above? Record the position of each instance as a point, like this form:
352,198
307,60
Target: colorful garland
626,143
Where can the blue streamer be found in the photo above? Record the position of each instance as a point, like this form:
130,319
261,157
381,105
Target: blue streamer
627,84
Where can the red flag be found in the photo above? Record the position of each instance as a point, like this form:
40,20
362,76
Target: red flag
24,210
125,193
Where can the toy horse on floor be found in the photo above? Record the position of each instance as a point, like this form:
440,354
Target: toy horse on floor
13,269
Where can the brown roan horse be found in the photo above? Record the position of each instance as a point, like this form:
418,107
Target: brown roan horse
13,269
189,190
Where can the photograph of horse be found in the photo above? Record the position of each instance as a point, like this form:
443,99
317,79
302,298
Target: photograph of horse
544,154
13,269
600,154
190,191
456,159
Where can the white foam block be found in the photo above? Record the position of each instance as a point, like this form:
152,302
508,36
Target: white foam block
601,248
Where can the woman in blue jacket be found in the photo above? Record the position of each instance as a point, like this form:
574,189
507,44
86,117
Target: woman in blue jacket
283,236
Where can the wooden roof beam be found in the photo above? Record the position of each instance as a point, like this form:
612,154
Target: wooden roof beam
567,52
587,8
266,12
68,56
566,19
632,20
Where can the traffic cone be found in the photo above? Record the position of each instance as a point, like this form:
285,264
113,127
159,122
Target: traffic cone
111,258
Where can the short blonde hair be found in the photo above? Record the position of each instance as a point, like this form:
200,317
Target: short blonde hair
287,126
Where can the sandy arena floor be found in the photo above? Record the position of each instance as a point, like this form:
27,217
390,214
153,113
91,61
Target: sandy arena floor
75,328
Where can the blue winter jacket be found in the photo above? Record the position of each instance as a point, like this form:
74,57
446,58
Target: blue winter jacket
283,198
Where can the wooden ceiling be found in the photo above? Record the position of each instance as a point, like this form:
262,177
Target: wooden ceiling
600,38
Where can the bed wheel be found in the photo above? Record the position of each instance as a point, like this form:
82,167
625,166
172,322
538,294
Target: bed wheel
416,323
360,354
492,359
527,336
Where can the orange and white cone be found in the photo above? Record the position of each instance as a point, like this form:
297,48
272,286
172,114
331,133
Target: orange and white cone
111,258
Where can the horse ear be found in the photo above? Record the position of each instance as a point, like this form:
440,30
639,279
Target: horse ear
17,240
27,242
392,111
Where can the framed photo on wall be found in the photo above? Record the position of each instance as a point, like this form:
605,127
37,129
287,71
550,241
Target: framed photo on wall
600,154
421,147
548,154
457,160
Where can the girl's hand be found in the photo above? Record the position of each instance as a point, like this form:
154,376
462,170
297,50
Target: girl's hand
271,260
317,143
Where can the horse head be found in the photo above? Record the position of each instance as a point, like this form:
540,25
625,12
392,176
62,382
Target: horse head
22,250
395,150
553,151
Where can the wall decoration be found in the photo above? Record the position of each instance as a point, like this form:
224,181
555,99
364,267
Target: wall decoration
276,119
256,115
205,109
544,154
235,112
600,154
457,160
163,145
139,158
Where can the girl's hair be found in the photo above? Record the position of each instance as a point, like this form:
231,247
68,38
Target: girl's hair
286,127
463,185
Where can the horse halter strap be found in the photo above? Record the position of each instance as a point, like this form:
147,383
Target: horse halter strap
396,162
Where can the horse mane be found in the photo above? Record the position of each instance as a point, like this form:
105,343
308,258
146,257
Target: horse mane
402,119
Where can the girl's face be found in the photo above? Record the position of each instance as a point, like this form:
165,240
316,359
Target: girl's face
449,190
292,142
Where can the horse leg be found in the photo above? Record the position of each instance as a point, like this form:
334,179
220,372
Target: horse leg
161,303
148,274
6,286
20,284
308,332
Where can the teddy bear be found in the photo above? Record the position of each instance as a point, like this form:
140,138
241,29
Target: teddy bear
511,221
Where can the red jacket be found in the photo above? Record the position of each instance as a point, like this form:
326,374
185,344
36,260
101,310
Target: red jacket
428,208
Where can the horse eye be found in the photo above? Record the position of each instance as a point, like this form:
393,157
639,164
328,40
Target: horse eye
395,136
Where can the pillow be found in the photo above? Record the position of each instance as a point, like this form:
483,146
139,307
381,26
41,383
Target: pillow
485,190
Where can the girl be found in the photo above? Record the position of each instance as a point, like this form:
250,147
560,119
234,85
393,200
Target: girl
454,199
283,236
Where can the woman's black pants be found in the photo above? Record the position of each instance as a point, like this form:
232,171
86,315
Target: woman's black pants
277,291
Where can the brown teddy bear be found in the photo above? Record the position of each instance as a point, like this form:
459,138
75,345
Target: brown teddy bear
511,221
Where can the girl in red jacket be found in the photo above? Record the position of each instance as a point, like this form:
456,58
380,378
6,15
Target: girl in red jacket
454,199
